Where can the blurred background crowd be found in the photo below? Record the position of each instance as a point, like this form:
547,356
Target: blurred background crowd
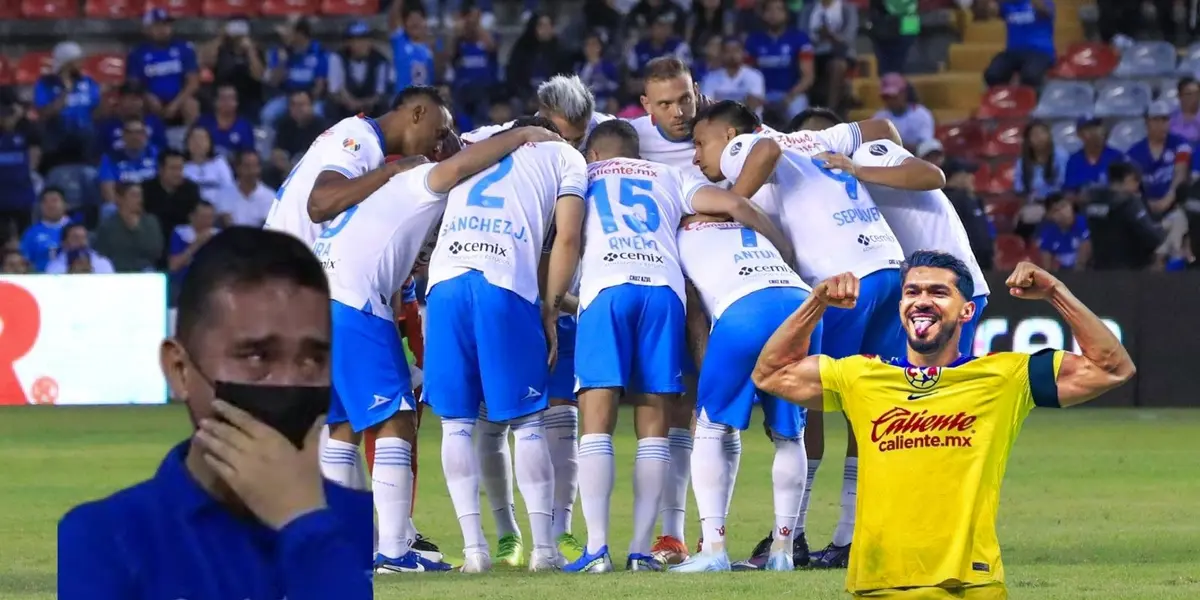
131,131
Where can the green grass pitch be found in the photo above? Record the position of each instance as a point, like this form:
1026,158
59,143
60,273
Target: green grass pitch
1097,504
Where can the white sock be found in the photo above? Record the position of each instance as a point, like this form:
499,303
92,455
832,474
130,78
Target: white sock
495,472
359,479
597,468
733,455
338,461
462,479
787,480
650,468
674,497
845,526
392,482
802,520
535,477
711,481
562,432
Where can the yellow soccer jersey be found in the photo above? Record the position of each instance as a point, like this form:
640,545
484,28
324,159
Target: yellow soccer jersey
933,445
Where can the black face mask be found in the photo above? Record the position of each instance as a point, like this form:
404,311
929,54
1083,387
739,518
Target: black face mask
288,409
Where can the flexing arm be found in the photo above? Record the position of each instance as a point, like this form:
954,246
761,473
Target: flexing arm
480,156
712,200
759,166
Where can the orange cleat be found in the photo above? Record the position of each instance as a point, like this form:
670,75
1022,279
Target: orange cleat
669,550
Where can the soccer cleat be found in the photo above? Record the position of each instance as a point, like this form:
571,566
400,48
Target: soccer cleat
780,561
426,548
703,562
832,557
412,562
800,555
643,562
544,560
669,550
511,551
569,549
600,562
758,556
477,562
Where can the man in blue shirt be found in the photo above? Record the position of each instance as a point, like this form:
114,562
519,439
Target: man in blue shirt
475,65
230,133
40,242
659,41
1030,49
136,163
299,65
131,104
1088,167
66,99
167,67
412,56
1164,159
19,152
784,55
239,510
1064,239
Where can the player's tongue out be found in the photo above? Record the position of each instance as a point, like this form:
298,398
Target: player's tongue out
922,322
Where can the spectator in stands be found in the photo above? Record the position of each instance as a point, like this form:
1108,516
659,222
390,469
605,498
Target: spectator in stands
914,122
170,197
476,68
647,13
1164,159
708,60
66,101
132,239
206,169
1030,49
236,61
300,64
1088,166
40,241
735,80
186,240
296,131
358,75
657,40
75,239
932,151
412,47
784,56
1063,239
601,15
598,73
131,104
135,163
1123,234
894,25
832,25
252,202
1042,166
712,18
230,132
501,112
13,263
79,262
167,67
1185,121
20,153
960,189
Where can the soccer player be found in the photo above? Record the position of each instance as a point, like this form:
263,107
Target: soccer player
631,319
368,253
744,285
484,335
936,427
567,102
835,227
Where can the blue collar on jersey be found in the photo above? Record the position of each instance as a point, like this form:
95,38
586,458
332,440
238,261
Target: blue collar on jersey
665,135
903,361
378,131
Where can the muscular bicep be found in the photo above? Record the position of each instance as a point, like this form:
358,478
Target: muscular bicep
798,383
1080,380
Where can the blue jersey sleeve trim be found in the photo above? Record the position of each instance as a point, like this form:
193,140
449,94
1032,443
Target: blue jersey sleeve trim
570,191
1042,381
339,170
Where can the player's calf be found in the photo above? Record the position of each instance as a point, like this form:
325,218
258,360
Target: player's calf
598,415
535,478
671,546
392,482
562,435
650,467
339,455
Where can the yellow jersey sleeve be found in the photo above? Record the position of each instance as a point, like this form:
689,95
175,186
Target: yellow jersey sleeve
1043,377
832,382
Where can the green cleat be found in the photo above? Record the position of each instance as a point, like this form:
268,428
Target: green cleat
512,551
569,548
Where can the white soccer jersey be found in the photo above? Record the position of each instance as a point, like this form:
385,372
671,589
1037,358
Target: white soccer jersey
920,220
654,146
487,131
352,147
633,209
843,138
728,261
496,221
369,250
828,216
748,82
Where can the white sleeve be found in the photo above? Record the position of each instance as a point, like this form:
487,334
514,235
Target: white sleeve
690,184
573,173
483,133
423,172
843,138
881,153
758,85
733,157
344,155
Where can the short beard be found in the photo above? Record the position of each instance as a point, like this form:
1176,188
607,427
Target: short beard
937,343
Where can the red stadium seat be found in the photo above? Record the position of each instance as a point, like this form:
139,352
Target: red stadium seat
364,8
1003,211
1001,181
113,9
107,69
178,9
982,175
1004,141
226,9
286,8
7,76
1007,102
1086,60
50,9
10,10
1010,250
961,139
32,66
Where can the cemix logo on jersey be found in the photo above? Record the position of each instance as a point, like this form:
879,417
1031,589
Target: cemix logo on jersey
904,429
874,241
486,250
758,270
634,257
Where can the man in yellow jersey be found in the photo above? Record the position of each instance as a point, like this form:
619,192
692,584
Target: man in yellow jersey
935,428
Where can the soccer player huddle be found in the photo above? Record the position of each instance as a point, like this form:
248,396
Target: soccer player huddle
692,263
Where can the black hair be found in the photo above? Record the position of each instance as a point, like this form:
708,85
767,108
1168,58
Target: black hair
202,202
941,260
52,190
212,144
1119,171
170,153
62,237
242,257
736,114
1054,198
299,92
814,112
1029,160
619,132
535,121
303,27
240,155
414,92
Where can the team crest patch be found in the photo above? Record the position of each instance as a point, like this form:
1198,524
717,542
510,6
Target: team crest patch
877,150
922,378
351,144
733,151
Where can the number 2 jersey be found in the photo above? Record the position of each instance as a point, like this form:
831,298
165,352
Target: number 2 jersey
352,147
633,211
496,221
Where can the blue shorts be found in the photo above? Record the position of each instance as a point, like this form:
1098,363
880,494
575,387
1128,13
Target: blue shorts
631,336
966,343
483,343
873,325
726,395
371,382
561,385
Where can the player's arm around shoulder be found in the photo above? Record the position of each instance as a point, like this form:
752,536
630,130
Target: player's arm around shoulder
884,162
482,155
786,370
710,199
1061,379
749,160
